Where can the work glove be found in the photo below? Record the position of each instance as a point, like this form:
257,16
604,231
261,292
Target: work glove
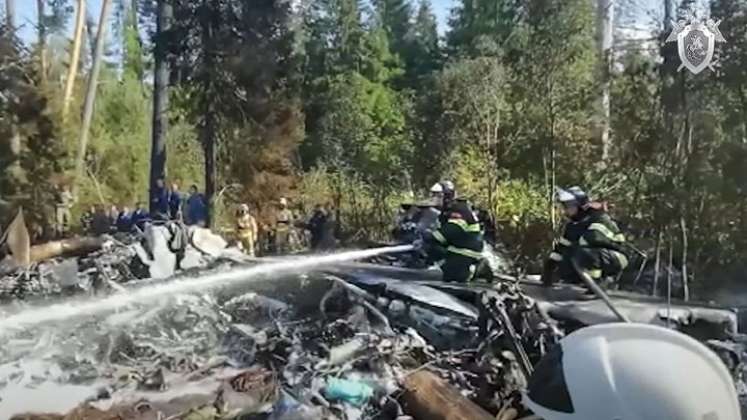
418,245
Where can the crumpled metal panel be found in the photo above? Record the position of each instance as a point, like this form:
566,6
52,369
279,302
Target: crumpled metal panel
419,293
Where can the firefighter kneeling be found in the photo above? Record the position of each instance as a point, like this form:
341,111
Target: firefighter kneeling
591,245
459,241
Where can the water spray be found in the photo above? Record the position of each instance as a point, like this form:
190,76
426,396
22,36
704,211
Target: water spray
63,311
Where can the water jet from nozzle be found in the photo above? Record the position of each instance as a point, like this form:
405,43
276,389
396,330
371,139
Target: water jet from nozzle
148,294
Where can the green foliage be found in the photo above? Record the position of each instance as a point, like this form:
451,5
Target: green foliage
120,141
395,17
238,85
363,214
132,45
30,152
372,98
364,130
185,161
424,55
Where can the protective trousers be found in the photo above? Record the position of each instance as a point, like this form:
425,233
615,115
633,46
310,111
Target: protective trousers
598,263
62,220
248,240
458,268
282,240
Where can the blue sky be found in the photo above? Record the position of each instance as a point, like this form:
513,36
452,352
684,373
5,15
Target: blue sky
26,11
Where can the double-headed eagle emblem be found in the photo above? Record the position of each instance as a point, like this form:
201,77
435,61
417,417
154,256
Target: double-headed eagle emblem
696,42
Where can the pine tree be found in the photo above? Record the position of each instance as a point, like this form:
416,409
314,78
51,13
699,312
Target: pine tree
30,154
160,96
395,18
473,21
424,55
236,61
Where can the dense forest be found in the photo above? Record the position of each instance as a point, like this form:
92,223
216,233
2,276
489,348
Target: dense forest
365,104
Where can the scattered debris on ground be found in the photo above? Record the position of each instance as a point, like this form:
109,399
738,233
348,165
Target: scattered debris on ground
355,341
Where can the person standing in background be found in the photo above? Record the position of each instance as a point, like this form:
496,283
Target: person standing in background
246,230
101,223
140,216
196,209
124,220
283,223
328,240
316,226
86,220
159,206
175,202
113,215
63,203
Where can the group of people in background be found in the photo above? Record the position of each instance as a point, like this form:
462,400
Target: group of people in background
287,230
171,204
168,204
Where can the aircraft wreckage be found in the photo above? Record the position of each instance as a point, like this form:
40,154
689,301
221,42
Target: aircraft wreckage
352,340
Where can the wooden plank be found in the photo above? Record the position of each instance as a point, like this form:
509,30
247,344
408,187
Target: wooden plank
427,397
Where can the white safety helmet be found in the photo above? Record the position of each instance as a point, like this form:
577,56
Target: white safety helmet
571,195
283,201
631,372
447,185
564,196
437,188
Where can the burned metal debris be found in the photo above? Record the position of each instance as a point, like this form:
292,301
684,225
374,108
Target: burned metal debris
355,341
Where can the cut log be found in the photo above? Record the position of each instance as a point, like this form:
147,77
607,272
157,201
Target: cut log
19,240
66,247
427,397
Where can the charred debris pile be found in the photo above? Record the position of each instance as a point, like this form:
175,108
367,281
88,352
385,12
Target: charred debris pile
352,341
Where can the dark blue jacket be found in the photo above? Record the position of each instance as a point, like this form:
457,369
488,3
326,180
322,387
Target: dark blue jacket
196,209
124,222
175,204
139,217
160,202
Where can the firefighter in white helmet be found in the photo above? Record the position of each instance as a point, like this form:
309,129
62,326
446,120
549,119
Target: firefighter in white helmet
631,372
283,226
246,230
437,194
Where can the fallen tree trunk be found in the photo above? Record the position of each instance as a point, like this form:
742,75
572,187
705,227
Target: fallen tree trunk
427,397
65,247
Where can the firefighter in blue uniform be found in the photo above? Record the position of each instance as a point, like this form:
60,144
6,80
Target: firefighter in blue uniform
591,245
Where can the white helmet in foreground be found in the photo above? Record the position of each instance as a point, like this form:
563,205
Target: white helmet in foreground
631,372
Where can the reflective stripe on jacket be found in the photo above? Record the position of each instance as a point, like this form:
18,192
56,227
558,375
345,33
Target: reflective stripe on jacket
461,238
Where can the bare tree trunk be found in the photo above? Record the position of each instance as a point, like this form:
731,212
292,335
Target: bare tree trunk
10,15
133,10
74,57
66,247
657,264
91,91
208,143
208,134
553,182
91,34
160,97
669,279
605,16
42,30
685,286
